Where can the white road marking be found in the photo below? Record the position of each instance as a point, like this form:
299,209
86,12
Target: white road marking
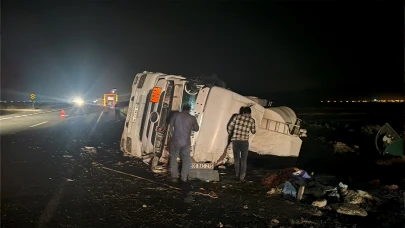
39,124
7,118
95,125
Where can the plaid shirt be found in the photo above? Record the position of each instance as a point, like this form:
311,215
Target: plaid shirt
240,126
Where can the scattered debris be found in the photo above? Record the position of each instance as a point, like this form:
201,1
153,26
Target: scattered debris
245,207
89,149
392,187
211,194
340,147
341,185
69,180
144,206
289,189
364,194
274,222
274,179
274,191
302,173
220,224
67,156
352,197
350,209
319,203
315,212
333,195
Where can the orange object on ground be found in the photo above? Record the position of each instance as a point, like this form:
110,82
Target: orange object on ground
62,114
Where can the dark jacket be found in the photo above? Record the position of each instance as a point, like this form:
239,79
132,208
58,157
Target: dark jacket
183,124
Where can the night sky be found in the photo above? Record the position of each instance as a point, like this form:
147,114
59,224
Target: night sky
58,50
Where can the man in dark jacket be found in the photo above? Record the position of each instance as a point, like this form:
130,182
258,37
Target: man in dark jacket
180,144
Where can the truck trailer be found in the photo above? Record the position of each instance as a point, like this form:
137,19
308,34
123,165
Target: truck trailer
155,96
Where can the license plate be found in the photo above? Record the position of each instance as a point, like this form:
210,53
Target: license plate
202,165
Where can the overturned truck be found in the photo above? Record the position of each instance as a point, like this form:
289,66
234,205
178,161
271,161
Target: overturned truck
155,95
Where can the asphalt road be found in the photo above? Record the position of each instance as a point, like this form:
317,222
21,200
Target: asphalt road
34,147
16,121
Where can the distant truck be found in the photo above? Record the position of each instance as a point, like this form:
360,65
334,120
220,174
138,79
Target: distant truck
155,96
110,99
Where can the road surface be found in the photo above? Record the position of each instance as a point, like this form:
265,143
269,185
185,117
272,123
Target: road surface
20,120
37,156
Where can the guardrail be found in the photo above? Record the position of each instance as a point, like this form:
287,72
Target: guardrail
280,127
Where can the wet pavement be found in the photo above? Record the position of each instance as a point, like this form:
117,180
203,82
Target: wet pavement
49,179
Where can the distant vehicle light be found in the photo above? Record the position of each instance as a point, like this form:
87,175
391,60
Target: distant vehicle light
79,101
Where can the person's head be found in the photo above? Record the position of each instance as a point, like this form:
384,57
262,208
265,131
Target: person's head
241,110
247,111
186,108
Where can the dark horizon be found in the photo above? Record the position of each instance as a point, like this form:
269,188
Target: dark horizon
60,50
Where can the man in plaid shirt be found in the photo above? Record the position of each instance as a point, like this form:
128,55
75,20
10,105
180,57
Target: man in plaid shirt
239,128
